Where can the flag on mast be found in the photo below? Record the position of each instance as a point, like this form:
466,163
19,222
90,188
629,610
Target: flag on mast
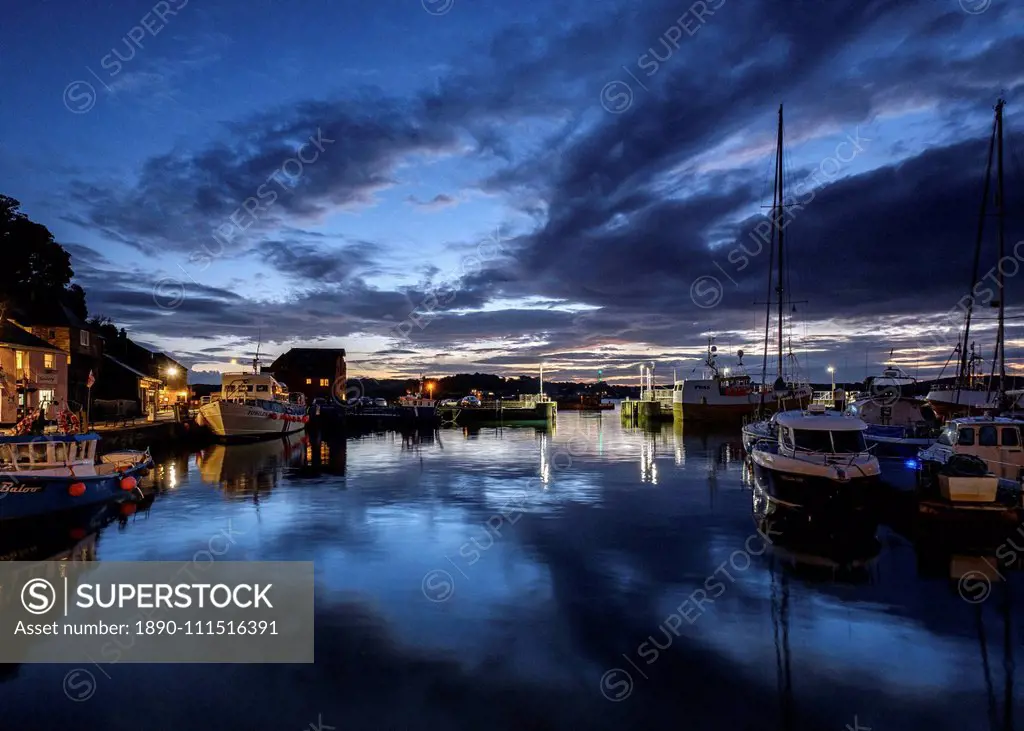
90,380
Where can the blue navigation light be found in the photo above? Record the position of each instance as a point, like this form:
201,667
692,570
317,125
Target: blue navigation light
911,464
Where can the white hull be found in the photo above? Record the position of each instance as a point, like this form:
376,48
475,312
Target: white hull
228,419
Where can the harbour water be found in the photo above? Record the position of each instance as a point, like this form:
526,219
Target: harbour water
586,576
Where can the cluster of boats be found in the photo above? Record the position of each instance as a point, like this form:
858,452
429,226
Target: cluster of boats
960,445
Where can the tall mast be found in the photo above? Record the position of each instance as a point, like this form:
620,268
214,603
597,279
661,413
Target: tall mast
963,374
768,298
1001,221
777,213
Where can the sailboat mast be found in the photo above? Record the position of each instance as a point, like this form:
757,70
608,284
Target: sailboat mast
962,375
777,213
1001,220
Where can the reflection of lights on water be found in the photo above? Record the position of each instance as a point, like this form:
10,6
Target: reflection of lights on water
648,467
172,477
545,464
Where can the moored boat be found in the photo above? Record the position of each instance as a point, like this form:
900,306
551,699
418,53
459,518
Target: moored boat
51,473
417,406
975,466
898,427
719,396
253,406
815,461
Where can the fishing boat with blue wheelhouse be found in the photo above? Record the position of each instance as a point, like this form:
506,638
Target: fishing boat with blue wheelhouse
41,474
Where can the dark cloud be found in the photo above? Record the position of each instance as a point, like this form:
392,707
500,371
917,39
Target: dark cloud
627,209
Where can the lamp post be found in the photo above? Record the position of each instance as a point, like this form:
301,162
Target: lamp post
832,372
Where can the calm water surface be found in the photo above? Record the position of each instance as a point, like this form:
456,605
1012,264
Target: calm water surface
590,576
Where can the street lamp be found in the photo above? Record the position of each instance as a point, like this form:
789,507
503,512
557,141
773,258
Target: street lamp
832,372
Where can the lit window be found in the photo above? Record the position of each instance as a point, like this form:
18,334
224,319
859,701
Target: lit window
309,381
83,338
48,360
325,382
19,359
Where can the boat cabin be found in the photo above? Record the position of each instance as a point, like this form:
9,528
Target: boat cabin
21,454
996,440
821,431
251,387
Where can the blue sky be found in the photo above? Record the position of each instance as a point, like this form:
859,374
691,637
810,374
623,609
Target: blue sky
487,184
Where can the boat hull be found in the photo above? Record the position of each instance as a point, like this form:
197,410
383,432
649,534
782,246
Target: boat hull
816,494
906,448
24,495
230,420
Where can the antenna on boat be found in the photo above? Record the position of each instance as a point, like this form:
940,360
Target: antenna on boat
256,360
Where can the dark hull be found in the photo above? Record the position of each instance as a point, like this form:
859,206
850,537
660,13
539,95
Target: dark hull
817,495
25,497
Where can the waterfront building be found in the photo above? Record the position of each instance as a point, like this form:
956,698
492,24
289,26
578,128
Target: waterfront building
33,373
315,372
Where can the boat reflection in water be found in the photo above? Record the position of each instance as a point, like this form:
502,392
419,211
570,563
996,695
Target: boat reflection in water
815,551
252,468
68,536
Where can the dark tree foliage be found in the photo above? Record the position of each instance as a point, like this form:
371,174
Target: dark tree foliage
32,265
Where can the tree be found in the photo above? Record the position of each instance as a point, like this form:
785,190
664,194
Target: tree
33,266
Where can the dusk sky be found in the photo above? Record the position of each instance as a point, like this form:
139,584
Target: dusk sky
486,186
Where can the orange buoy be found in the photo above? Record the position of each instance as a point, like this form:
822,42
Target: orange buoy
128,483
273,417
77,533
77,489
128,508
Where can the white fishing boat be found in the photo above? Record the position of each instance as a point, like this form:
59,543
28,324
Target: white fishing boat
720,395
253,406
815,461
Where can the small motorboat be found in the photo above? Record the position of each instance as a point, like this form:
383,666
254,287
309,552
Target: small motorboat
813,461
50,473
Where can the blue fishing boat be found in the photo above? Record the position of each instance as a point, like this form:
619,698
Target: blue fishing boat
45,474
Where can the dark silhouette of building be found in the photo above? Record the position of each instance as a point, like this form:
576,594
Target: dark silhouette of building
316,372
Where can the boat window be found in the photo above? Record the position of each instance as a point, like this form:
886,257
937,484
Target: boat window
262,388
988,437
946,437
60,452
6,456
965,437
848,442
39,452
839,442
1010,436
813,440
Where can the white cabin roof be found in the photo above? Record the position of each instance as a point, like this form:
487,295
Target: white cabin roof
828,421
983,420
